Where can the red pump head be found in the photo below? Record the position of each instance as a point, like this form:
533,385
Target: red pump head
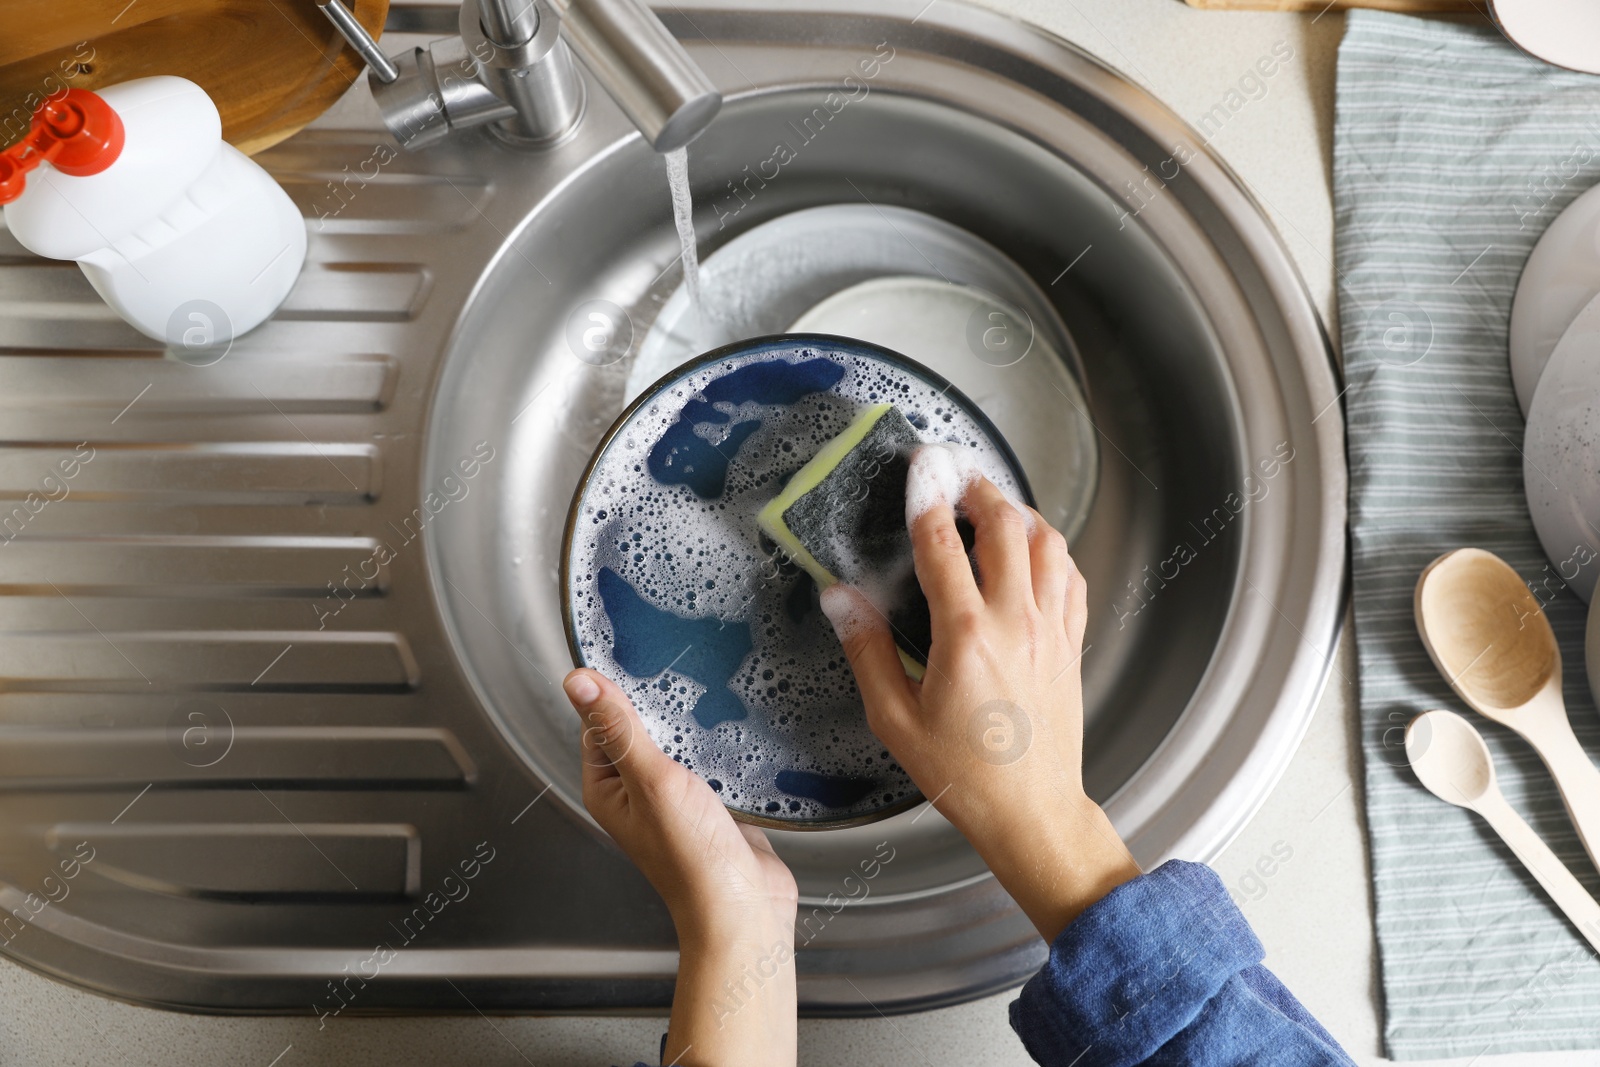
76,132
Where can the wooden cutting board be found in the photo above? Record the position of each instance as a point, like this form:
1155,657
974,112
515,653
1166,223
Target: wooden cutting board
271,65
1420,7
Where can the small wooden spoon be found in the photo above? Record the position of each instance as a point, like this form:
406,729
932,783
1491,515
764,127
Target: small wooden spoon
1451,759
1491,640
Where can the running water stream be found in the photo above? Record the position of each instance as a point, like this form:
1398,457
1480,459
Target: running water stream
683,216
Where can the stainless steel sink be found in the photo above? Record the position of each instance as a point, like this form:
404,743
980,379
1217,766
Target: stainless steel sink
285,653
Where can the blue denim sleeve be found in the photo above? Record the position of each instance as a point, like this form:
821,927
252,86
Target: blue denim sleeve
1165,970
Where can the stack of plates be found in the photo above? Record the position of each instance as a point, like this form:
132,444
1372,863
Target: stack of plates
1555,367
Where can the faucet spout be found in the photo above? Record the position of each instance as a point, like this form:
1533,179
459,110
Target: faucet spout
643,67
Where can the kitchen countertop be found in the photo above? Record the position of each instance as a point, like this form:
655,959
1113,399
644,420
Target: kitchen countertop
1280,143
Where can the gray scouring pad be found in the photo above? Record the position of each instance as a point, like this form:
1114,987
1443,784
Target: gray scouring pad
843,518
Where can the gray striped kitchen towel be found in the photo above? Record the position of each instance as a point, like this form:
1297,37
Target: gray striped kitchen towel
1452,153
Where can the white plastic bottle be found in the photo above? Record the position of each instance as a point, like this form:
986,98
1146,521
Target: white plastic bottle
182,234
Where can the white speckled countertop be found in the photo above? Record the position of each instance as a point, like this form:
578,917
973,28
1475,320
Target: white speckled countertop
1311,909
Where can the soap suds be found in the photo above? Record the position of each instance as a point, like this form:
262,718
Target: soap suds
849,611
939,477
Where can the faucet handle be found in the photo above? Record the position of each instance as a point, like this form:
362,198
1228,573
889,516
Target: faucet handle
511,68
383,67
422,94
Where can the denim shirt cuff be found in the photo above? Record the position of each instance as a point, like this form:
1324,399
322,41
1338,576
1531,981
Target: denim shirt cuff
1135,969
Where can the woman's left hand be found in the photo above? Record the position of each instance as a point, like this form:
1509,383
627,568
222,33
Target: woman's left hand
732,899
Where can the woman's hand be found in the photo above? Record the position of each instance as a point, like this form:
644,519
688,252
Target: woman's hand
731,898
993,734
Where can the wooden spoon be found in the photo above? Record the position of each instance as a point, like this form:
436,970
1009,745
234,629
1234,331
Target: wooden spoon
1491,640
1451,759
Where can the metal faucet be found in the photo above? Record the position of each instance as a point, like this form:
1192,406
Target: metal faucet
511,69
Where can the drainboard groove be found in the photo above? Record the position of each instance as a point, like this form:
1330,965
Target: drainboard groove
329,383
179,566
252,861
301,661
200,473
213,753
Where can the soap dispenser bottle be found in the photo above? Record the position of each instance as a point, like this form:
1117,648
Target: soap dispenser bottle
186,237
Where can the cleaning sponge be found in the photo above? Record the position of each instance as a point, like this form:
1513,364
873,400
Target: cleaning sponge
842,518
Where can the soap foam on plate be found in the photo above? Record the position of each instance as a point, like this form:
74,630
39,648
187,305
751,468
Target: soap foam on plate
786,740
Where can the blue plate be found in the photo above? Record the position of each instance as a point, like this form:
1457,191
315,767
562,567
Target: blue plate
670,589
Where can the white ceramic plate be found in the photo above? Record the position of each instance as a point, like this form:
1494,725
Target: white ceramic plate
1561,276
1563,32
989,350
1561,454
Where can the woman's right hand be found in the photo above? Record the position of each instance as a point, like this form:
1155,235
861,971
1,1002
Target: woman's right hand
993,734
